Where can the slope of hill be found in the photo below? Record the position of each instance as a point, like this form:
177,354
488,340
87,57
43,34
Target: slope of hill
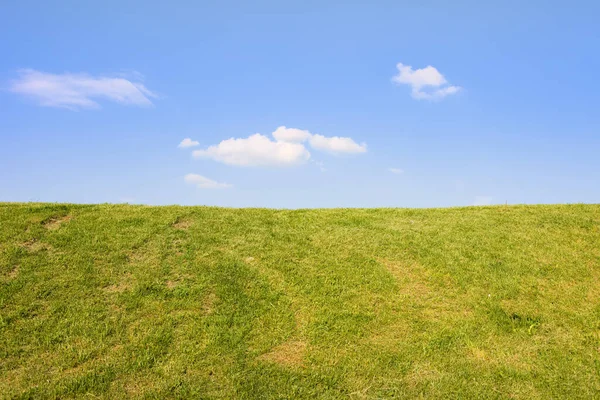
122,301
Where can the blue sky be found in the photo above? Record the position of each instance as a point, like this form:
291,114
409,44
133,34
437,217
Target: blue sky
95,98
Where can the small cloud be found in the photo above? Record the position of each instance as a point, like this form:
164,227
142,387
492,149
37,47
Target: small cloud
320,165
77,91
333,144
204,183
255,151
396,171
287,149
482,201
436,94
426,83
187,142
336,144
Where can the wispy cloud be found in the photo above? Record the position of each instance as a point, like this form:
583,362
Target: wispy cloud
321,165
77,91
204,183
482,201
287,149
426,83
396,171
187,142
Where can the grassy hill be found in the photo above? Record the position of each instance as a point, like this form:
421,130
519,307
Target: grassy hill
117,301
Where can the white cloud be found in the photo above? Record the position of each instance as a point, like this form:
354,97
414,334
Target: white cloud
283,134
333,144
286,150
426,83
396,171
187,142
428,76
76,91
336,144
256,150
482,201
436,94
204,183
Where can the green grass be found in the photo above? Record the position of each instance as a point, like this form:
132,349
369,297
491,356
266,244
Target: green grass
117,301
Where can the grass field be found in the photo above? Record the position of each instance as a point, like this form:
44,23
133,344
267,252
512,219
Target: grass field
117,301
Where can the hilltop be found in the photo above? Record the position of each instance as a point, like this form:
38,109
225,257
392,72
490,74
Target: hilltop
202,302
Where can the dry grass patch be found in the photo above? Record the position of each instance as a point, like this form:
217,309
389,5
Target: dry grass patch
514,356
176,247
390,337
14,378
479,355
593,291
412,278
118,288
54,223
435,296
209,303
178,280
148,255
423,373
34,246
126,283
138,386
289,354
183,224
13,273
171,284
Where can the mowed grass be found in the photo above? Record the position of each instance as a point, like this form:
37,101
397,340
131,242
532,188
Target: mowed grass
117,301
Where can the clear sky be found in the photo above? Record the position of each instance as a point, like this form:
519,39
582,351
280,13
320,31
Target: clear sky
402,104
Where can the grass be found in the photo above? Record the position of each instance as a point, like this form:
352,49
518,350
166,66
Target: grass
116,301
